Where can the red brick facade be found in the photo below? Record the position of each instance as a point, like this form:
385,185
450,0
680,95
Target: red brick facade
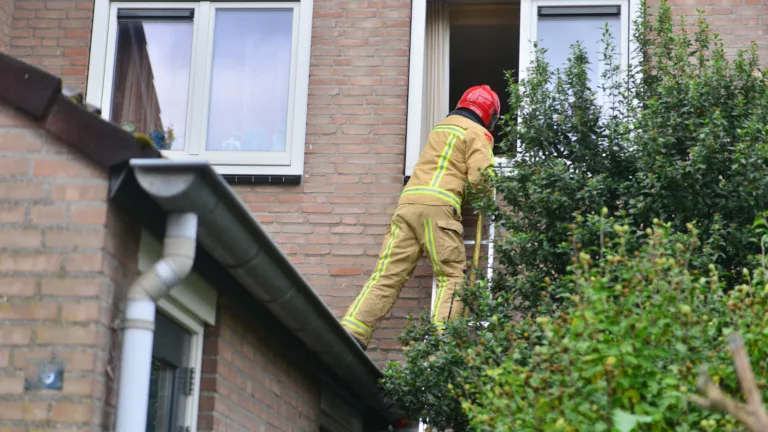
65,259
355,146
739,22
54,35
6,13
331,225
248,385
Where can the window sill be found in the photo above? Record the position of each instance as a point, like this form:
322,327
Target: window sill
248,174
277,180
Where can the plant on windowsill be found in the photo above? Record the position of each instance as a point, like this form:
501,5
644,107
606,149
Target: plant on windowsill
160,140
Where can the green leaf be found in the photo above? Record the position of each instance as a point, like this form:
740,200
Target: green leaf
626,422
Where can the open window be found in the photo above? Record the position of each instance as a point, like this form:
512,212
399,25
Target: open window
192,77
456,44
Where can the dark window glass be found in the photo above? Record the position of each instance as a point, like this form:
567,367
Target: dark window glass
167,388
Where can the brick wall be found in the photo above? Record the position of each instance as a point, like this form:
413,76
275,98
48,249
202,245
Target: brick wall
120,266
62,260
54,35
355,140
739,22
331,226
247,383
6,11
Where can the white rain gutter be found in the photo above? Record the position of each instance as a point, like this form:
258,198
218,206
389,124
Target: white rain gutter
139,324
231,236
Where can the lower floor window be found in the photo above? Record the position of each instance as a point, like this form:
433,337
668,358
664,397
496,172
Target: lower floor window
172,379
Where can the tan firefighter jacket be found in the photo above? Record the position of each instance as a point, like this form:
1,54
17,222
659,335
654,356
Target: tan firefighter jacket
457,149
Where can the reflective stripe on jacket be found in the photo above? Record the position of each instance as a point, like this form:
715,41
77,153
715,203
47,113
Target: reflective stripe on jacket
457,149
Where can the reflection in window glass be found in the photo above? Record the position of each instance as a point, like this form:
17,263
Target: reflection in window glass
161,386
558,34
169,384
152,79
250,80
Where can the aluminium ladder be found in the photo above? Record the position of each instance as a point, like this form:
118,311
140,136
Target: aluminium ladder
489,272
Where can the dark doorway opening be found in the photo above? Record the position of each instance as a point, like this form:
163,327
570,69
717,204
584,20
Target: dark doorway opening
485,43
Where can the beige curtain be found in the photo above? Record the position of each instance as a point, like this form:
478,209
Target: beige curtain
436,66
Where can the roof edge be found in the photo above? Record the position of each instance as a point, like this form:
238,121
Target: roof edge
233,237
228,230
40,95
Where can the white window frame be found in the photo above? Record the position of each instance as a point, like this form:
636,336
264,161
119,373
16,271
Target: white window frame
101,76
176,313
529,19
415,84
192,305
528,27
528,33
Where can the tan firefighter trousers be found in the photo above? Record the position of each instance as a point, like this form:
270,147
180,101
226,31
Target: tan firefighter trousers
415,229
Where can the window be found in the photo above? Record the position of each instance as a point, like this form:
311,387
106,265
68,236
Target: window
176,360
177,353
223,82
172,377
452,47
457,39
558,24
455,45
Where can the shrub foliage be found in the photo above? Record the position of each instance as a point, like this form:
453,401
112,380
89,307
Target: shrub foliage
588,317
630,343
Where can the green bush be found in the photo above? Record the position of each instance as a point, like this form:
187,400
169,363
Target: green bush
630,342
682,138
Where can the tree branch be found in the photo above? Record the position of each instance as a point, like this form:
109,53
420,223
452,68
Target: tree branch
747,380
752,415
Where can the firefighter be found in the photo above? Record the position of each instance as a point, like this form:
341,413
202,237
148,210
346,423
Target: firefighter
428,215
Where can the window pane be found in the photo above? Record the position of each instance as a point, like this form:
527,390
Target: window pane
558,34
161,395
171,357
172,342
250,79
152,79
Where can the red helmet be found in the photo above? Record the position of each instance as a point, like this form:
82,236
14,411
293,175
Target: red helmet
484,102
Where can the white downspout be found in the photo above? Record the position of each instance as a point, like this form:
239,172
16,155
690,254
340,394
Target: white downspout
139,324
